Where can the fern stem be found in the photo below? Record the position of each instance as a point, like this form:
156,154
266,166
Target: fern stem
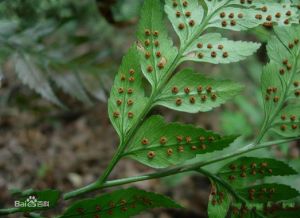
101,181
171,171
111,165
191,167
149,105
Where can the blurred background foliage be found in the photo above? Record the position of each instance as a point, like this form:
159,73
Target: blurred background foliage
68,52
64,45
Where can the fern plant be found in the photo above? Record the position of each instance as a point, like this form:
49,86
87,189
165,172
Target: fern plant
238,188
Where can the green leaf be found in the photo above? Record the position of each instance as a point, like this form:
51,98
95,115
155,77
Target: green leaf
94,85
212,48
127,95
248,169
70,84
156,49
159,145
122,203
239,210
284,46
289,37
287,124
38,200
272,88
219,201
278,210
29,73
268,193
236,19
268,14
186,17
191,92
284,49
281,80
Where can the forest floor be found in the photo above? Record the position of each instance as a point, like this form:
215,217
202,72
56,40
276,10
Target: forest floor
67,150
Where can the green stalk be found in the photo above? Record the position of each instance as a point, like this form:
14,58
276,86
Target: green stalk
171,171
149,105
191,167
122,147
112,164
100,183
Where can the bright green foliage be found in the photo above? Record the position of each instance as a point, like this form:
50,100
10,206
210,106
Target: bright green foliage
280,87
288,123
236,19
186,18
249,169
284,49
157,51
285,46
158,58
237,178
121,203
192,92
268,14
281,82
127,95
188,22
272,88
212,48
288,37
158,144
268,193
219,201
